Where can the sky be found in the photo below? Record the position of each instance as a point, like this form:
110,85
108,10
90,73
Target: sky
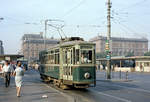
84,18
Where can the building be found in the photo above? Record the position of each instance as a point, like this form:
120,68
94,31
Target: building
122,46
32,44
1,48
126,64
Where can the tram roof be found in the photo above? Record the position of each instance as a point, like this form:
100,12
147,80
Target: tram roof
75,42
70,43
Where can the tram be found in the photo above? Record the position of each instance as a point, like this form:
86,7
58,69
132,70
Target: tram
71,63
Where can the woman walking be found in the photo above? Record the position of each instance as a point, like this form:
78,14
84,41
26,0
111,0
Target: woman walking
18,73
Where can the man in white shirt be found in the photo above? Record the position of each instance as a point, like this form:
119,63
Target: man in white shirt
7,71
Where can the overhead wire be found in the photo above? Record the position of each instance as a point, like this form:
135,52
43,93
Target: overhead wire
129,29
120,26
74,8
134,5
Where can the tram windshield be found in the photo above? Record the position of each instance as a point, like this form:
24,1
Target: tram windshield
86,56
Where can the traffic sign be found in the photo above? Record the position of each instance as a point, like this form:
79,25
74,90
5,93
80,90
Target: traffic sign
107,46
108,57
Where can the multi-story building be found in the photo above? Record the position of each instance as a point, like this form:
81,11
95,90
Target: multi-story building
32,44
1,48
122,46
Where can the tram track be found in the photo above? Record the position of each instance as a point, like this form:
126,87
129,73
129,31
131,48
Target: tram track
105,92
127,92
87,95
76,94
131,87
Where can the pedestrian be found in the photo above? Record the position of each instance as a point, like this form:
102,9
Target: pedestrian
7,72
18,73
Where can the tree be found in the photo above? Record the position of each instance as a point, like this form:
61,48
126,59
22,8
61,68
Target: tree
129,54
147,54
101,55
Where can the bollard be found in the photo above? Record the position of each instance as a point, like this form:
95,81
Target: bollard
105,75
120,74
112,74
75,99
126,75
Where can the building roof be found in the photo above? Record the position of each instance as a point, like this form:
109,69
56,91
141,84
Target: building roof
11,56
41,41
120,39
32,36
37,38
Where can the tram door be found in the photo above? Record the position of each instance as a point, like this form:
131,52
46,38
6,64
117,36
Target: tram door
67,64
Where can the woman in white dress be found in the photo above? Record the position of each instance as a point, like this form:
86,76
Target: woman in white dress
18,73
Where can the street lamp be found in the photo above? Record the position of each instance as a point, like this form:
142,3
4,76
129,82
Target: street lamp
46,21
1,18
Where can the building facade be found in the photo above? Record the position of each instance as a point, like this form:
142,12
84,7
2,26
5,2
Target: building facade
32,44
122,46
1,48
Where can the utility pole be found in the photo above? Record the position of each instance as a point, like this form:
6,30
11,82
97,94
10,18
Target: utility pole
45,34
108,39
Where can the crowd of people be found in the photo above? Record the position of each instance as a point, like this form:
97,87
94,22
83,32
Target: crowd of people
8,70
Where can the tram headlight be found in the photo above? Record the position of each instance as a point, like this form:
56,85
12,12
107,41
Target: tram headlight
87,75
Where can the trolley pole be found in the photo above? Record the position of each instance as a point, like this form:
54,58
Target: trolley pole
108,39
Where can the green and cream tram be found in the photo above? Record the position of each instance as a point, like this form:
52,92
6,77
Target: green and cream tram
69,64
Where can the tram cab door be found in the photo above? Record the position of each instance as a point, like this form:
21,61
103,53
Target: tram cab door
67,65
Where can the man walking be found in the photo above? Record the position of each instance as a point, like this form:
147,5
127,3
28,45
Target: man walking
7,71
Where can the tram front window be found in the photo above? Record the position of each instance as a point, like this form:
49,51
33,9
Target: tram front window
86,56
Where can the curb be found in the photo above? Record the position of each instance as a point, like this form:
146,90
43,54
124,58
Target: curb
115,80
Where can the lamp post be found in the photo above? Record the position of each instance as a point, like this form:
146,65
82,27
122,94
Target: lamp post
45,33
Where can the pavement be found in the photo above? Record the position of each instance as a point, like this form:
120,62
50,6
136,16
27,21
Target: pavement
115,90
32,91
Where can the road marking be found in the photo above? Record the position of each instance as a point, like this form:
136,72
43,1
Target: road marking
118,98
136,89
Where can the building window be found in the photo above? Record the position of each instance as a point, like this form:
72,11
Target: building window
147,64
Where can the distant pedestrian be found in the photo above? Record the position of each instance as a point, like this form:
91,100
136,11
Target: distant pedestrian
141,68
12,65
18,73
7,72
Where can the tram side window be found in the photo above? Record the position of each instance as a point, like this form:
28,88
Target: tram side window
57,58
52,59
86,56
46,59
65,57
77,56
73,55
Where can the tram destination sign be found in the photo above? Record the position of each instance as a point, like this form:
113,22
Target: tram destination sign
86,47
